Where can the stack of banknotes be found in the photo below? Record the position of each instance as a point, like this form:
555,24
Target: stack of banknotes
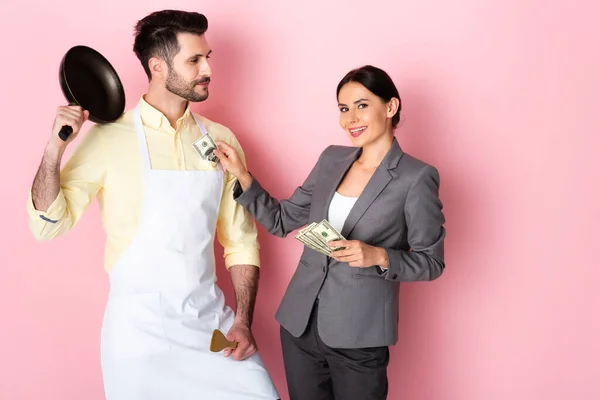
316,236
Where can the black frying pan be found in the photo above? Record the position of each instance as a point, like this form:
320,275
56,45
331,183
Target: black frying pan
87,79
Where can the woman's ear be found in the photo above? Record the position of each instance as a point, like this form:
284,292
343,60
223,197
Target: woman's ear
392,107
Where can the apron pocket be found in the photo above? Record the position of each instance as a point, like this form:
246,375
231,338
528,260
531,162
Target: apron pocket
133,326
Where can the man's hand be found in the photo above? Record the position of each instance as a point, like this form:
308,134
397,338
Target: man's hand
74,116
245,284
46,184
358,254
246,347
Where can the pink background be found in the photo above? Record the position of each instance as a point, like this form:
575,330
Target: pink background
501,96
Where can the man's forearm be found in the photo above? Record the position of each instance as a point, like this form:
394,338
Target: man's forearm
46,184
245,285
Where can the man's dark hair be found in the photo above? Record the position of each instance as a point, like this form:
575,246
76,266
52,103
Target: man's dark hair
156,34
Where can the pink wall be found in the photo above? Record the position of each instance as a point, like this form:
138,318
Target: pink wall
501,96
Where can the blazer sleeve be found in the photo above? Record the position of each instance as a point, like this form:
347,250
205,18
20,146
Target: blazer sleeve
424,219
279,217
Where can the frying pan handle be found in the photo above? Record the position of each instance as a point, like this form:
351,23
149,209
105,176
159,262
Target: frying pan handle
64,133
66,130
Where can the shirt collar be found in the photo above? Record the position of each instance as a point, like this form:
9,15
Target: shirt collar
153,118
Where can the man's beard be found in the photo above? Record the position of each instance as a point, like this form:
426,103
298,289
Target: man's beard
176,85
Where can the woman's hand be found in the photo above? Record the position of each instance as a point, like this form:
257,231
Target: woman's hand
231,162
358,254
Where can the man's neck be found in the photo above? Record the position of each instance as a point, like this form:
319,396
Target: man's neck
171,105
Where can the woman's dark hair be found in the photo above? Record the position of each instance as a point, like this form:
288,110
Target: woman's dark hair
156,34
378,82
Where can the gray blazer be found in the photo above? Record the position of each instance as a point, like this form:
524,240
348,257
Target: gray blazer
398,210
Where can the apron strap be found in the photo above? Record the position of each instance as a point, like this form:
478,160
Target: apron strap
139,129
200,125
204,132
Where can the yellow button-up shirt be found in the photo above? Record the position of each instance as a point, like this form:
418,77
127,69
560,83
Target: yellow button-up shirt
107,163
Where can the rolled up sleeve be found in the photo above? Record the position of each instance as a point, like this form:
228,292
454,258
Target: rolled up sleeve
236,229
47,224
80,180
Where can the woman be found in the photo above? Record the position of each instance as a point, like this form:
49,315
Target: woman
340,312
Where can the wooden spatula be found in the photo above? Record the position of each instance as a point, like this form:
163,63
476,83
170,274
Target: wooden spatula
219,342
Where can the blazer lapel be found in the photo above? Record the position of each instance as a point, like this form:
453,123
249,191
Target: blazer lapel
335,178
380,179
377,183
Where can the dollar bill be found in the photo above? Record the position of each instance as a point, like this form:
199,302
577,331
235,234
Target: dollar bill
316,236
308,243
308,236
205,147
324,232
302,231
303,237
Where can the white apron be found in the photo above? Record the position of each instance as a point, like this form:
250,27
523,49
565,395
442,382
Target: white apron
164,302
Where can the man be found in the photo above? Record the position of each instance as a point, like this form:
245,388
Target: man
162,204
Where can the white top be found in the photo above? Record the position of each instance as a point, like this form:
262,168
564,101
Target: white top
339,208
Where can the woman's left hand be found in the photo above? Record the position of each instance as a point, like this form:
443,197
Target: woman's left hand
358,254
